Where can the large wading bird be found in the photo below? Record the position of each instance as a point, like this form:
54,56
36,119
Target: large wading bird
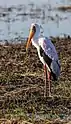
47,55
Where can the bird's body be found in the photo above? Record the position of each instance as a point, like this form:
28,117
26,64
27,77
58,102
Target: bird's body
46,51
47,54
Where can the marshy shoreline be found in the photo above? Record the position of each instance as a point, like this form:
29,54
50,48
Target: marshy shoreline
22,86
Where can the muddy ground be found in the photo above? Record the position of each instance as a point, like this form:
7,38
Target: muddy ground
22,86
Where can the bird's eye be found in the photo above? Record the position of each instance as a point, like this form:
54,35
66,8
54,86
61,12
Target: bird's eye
34,28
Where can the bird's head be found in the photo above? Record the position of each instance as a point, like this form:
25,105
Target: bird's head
33,34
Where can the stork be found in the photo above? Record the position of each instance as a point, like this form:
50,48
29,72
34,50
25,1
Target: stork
47,55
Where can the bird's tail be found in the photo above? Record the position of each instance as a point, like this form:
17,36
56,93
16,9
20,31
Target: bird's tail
55,69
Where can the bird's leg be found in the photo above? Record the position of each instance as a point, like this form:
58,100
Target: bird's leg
49,82
45,74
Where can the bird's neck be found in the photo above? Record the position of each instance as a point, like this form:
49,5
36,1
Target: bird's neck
35,42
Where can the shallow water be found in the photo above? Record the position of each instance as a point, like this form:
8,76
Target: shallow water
17,16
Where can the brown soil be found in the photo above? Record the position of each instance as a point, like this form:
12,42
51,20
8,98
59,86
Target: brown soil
22,86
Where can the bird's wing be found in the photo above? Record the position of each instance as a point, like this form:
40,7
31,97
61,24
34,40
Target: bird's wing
48,48
50,51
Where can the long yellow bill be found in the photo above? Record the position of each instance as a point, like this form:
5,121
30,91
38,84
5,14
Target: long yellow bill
31,34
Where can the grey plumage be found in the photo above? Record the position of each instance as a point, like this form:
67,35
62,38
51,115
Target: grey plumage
55,67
